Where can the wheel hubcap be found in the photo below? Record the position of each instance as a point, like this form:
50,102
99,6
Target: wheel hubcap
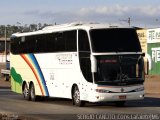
77,96
25,92
32,93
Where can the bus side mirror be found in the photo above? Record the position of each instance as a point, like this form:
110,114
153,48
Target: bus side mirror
93,64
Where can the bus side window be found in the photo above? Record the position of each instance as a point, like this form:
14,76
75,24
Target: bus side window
59,42
15,45
70,39
40,45
44,43
65,41
84,55
29,45
21,45
83,41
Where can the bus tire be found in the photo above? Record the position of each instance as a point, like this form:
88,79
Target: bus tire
25,91
32,95
76,97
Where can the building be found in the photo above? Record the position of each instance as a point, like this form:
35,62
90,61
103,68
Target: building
142,34
2,49
153,50
2,45
150,43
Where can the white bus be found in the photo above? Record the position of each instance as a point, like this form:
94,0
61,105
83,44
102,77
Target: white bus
82,62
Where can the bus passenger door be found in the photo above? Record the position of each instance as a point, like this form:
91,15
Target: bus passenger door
84,55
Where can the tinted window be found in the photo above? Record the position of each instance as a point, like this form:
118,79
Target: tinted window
53,42
45,43
70,39
28,45
23,45
115,40
83,41
15,45
84,55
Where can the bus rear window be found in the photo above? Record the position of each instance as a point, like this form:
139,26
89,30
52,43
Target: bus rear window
115,40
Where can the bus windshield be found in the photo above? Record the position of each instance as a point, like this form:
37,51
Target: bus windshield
119,70
115,40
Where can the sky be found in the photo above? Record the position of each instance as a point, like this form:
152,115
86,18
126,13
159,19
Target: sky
142,13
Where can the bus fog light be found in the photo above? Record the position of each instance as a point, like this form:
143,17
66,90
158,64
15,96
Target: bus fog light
141,96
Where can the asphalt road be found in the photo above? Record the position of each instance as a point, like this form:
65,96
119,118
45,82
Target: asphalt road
14,106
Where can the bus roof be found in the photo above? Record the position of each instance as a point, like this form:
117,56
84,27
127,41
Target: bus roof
68,26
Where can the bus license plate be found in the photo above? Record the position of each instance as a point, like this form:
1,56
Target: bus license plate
122,97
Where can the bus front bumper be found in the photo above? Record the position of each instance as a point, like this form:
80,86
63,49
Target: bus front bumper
104,97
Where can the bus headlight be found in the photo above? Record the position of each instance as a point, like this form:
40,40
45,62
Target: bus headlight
102,91
139,89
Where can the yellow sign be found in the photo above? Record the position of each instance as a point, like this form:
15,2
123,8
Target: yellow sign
142,35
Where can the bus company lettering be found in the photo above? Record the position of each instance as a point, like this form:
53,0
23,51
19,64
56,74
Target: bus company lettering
65,59
154,35
156,54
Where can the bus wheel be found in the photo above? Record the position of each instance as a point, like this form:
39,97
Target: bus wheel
32,93
120,103
25,92
76,97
